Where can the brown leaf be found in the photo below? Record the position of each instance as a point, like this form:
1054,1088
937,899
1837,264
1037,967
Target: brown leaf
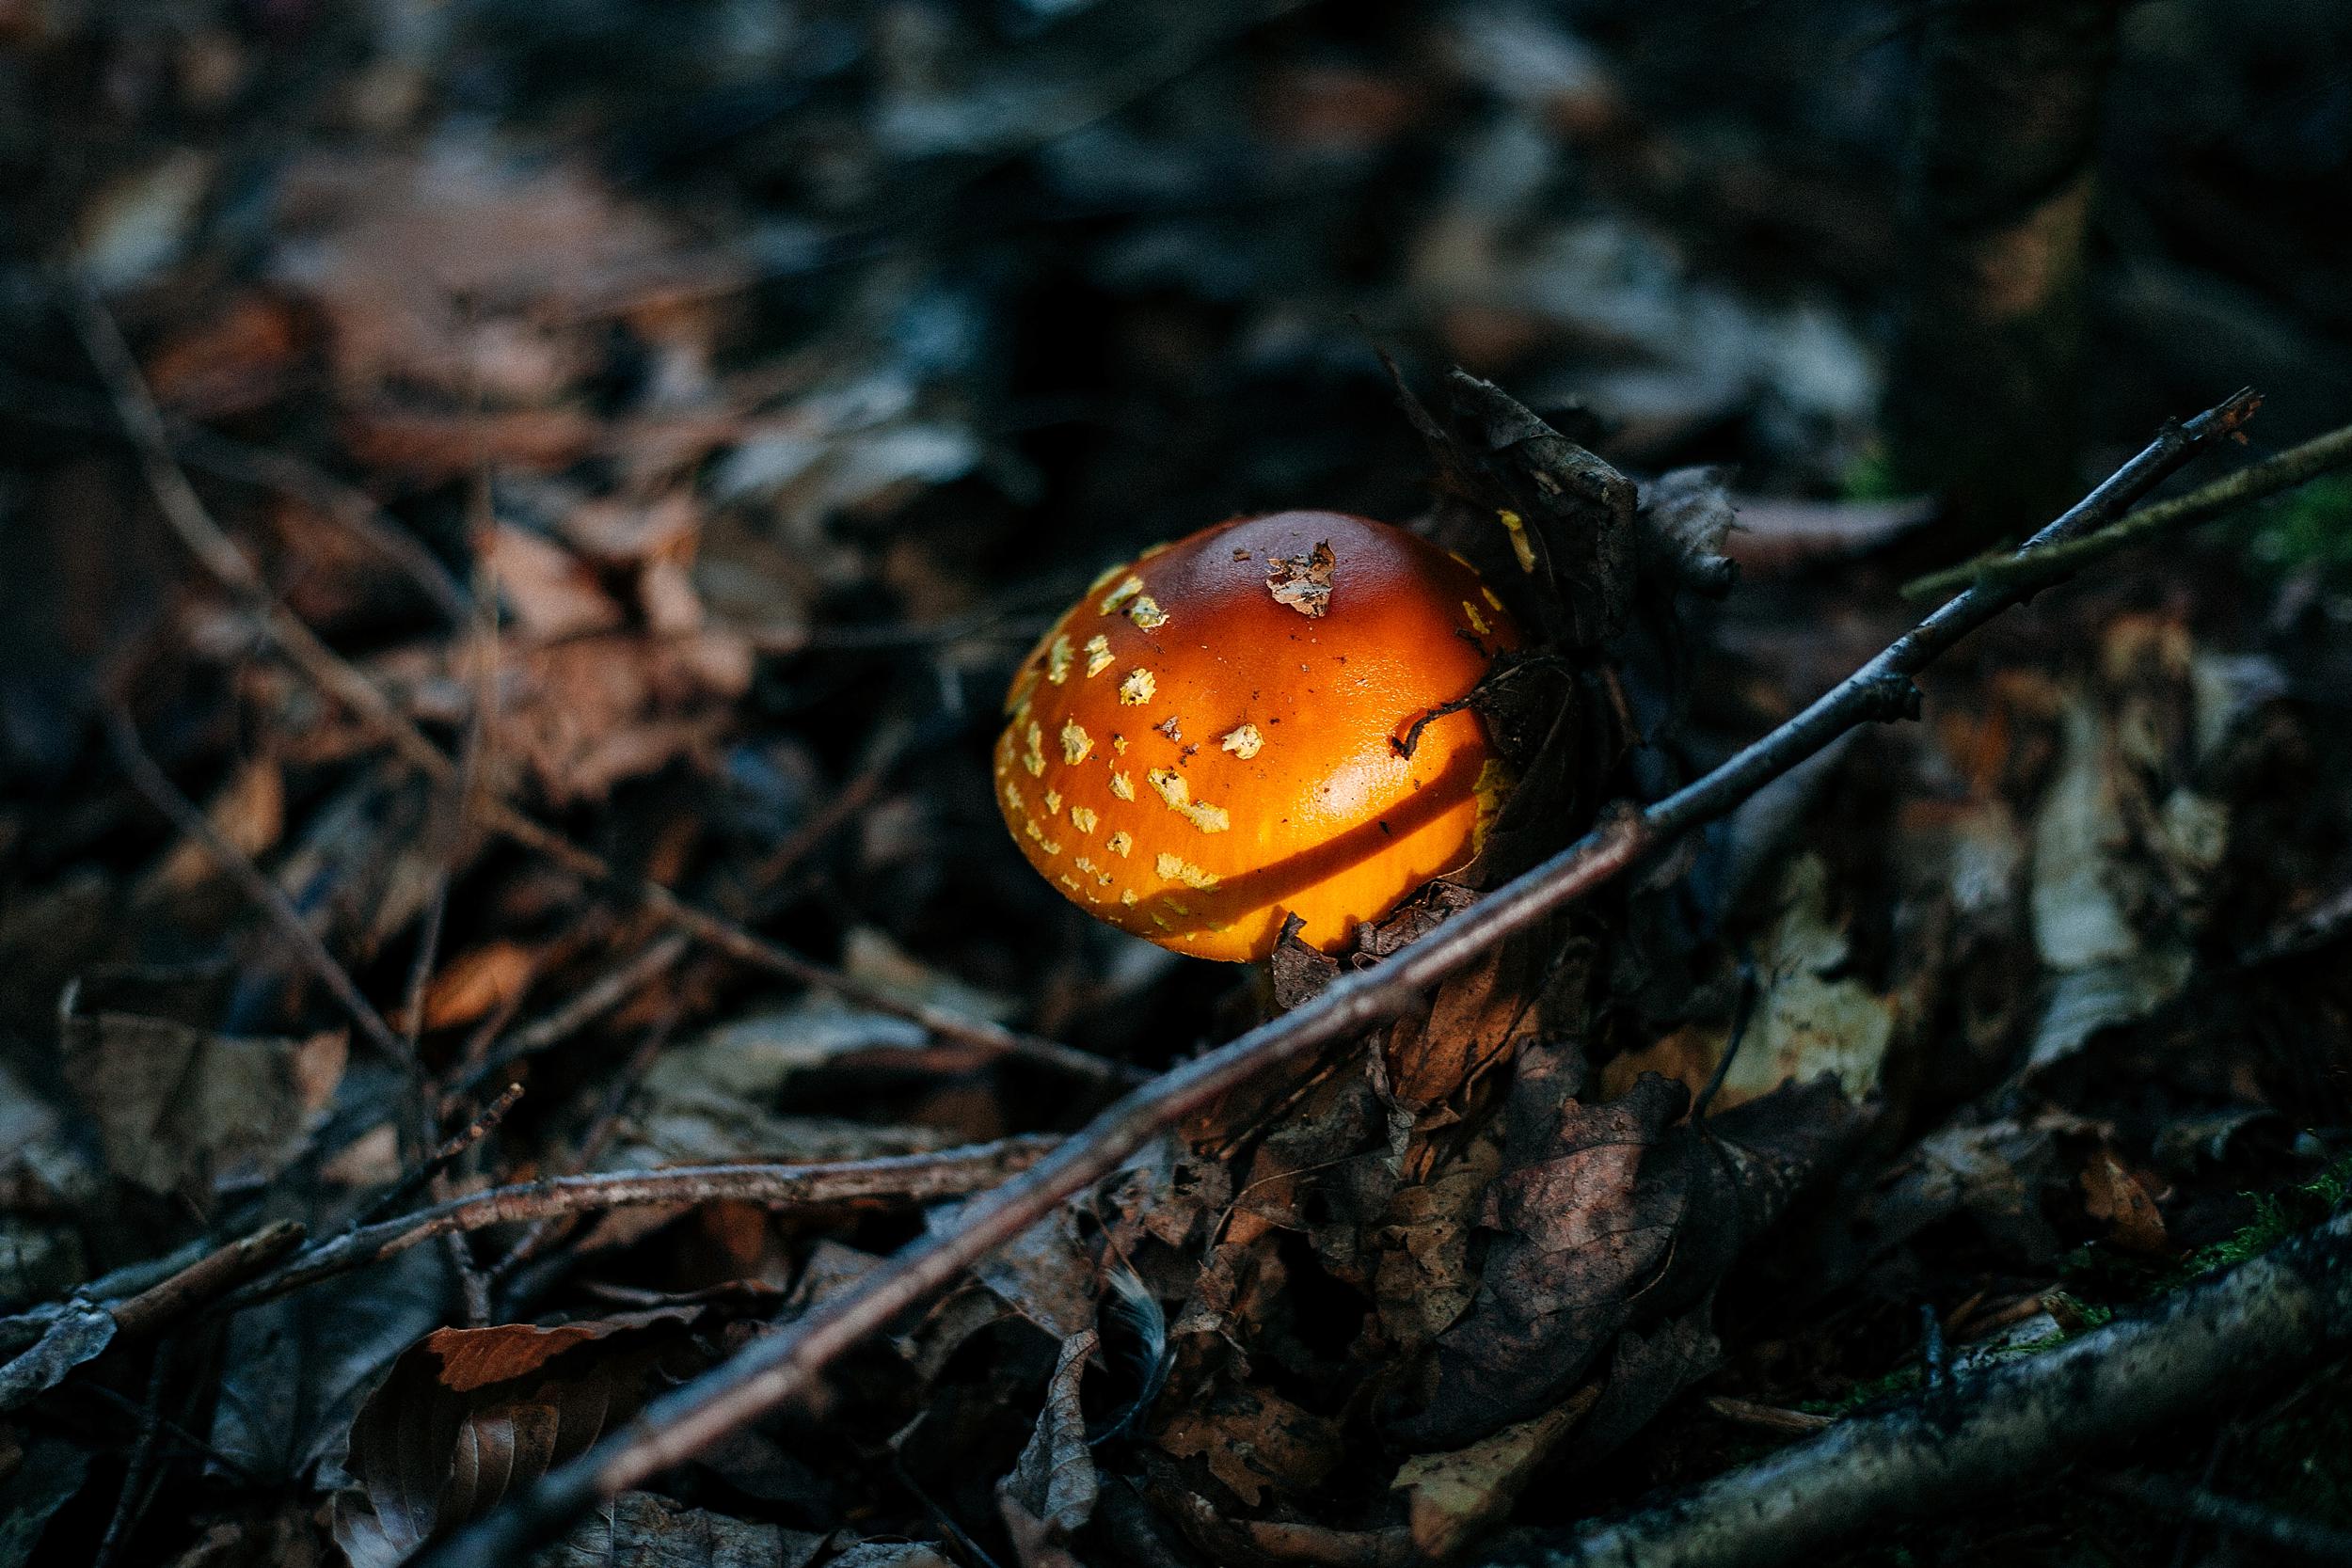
1613,1218
425,266
2118,1194
477,983
592,711
179,1108
551,591
231,362
468,1416
1049,1494
1252,1439
1452,1498
1302,582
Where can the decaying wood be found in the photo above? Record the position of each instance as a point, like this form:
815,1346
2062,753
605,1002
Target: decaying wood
1993,1430
780,1366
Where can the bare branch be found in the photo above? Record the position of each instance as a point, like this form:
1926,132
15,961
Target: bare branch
889,1178
2193,1351
2256,481
772,1371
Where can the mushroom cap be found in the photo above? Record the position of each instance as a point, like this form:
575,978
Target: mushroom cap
1208,740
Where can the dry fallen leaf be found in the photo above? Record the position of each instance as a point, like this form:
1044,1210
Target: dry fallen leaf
640,1529
469,1416
1614,1226
1452,1498
1253,1439
183,1109
2114,1193
1049,1494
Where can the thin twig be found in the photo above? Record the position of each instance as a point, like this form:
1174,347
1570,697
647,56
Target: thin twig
546,1232
452,1150
185,513
614,987
2296,465
189,819
1769,1417
889,1178
774,1370
82,1328
207,1280
2011,1423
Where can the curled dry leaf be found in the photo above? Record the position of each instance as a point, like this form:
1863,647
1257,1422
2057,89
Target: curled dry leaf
1619,1219
1453,1498
469,1415
1051,1493
2116,1195
478,982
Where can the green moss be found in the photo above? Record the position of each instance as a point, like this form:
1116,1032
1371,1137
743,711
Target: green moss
1902,1380
2309,527
2276,1216
1871,477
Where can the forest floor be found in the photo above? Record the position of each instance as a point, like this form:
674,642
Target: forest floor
520,519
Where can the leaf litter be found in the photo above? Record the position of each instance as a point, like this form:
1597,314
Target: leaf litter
746,475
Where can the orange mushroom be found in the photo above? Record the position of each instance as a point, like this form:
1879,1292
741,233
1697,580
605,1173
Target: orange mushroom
1216,735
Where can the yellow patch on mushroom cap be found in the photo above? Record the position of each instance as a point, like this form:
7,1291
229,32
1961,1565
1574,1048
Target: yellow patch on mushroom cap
1034,758
1244,741
1116,598
1171,788
1057,660
1478,622
1083,818
1147,614
1052,802
1121,843
1097,655
1177,869
1137,687
1075,742
1123,787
